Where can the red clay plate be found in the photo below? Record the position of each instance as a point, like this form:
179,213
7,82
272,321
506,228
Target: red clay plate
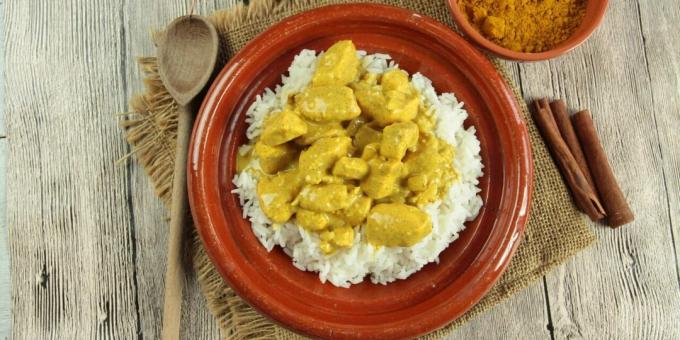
429,299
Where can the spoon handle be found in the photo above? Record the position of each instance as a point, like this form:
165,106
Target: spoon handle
174,274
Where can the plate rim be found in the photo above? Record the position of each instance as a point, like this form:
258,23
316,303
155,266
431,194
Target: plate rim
298,322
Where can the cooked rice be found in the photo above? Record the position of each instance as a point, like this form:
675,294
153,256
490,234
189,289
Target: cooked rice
383,264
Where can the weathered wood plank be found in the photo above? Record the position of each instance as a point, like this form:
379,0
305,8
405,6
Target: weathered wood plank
659,23
3,124
142,17
621,288
197,321
74,274
5,284
149,214
524,315
5,293
70,235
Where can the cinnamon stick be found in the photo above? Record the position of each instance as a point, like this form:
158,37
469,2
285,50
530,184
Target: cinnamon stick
584,195
544,104
618,210
561,116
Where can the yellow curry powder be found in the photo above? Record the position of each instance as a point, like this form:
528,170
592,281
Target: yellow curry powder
525,25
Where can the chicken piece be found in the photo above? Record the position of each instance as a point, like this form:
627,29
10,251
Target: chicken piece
370,98
399,195
243,159
343,236
316,131
370,151
396,101
283,127
429,195
356,213
430,170
417,183
397,225
395,80
366,135
351,168
425,121
318,221
324,197
340,237
355,124
326,247
339,65
382,177
312,220
327,103
401,107
274,158
276,194
319,158
397,138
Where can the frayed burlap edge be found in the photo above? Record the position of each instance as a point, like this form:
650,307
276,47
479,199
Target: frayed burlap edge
151,131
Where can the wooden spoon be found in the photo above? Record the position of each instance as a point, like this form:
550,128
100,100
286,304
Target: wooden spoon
187,56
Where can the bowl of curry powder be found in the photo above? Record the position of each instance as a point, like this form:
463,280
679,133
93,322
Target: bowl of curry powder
528,30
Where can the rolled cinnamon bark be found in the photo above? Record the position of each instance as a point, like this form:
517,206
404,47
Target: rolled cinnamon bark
544,104
618,210
584,195
561,116
549,120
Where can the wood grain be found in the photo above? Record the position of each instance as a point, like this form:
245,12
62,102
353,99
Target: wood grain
523,316
5,288
530,303
71,237
5,280
659,32
623,287
3,124
151,217
87,242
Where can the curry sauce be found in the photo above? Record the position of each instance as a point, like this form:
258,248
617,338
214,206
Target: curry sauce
353,149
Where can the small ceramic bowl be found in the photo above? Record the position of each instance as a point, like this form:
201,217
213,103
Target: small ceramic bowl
430,298
595,10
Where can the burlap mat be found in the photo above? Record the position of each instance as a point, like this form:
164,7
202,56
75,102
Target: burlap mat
555,231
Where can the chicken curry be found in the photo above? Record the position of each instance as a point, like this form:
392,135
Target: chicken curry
353,149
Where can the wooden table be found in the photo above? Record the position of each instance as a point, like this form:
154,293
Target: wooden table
87,236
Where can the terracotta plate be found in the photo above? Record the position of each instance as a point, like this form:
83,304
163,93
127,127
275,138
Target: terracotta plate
437,294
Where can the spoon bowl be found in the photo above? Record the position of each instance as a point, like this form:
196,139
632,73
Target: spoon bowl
187,55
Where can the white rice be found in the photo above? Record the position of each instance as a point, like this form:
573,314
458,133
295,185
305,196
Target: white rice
351,265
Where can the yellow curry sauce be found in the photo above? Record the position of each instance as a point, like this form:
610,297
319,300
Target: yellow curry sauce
353,148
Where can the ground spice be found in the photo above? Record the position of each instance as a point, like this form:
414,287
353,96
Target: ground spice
525,25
